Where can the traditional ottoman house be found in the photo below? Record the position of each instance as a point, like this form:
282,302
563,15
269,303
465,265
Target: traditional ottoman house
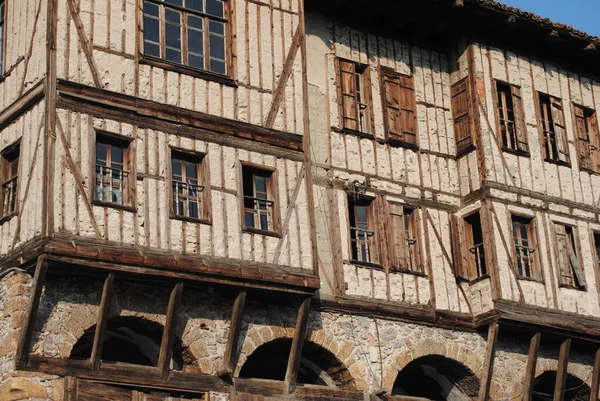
297,199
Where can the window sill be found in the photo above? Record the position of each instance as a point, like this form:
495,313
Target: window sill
190,219
558,162
354,132
572,287
465,151
183,69
515,152
477,279
589,171
407,271
532,279
401,144
366,264
6,218
125,208
268,233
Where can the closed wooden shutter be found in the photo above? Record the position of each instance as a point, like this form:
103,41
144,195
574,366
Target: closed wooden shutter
408,104
393,114
460,112
414,229
400,107
349,111
519,116
560,131
575,266
562,252
594,139
532,237
398,239
459,248
583,140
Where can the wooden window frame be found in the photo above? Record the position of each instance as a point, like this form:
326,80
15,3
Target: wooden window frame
364,78
405,104
7,179
467,267
468,115
372,231
551,120
576,271
200,159
129,193
591,146
272,177
532,248
161,62
405,253
520,143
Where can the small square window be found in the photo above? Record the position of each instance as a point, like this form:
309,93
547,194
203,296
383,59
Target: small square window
525,246
188,188
10,180
355,96
112,171
363,232
260,206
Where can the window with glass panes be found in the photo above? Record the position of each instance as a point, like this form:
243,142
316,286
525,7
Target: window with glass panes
10,171
525,242
111,176
187,32
187,186
259,202
363,239
2,35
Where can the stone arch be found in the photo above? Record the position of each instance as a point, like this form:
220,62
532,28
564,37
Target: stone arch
450,350
318,365
580,371
576,388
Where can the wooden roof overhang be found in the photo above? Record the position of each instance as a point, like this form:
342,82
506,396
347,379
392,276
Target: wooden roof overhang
441,24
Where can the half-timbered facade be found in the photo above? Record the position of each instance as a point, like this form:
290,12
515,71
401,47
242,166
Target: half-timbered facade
296,199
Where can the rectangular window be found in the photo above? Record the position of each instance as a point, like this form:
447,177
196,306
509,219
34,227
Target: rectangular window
588,142
462,119
188,189
512,122
552,121
570,271
112,172
468,247
188,32
525,240
10,180
597,246
260,210
363,236
405,235
2,34
355,96
400,108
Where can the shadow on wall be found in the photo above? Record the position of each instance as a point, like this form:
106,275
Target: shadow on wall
437,378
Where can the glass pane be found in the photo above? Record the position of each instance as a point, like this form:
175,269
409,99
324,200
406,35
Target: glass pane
101,153
176,169
151,49
191,171
215,7
174,56
361,213
216,27
195,22
264,224
172,16
193,209
14,167
150,8
173,36
260,183
249,219
151,29
195,43
217,66
116,155
217,47
196,61
195,5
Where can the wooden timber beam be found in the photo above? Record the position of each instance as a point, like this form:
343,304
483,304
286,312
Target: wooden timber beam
103,314
490,353
168,338
534,348
39,279
595,378
21,105
234,335
561,372
297,343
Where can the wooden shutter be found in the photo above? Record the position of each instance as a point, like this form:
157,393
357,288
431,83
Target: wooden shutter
519,115
583,139
400,107
576,267
414,224
532,238
393,113
595,140
459,249
460,112
562,251
560,131
408,105
349,111
398,238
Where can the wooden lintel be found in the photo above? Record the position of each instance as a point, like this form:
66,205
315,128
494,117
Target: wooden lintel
562,372
39,279
293,365
103,315
595,378
234,334
534,348
488,369
168,338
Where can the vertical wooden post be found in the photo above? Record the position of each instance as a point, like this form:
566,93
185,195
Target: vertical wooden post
234,335
561,372
39,279
103,314
297,343
168,338
486,379
596,378
534,348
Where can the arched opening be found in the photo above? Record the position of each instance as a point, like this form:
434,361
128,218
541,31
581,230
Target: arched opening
575,389
317,366
131,340
437,378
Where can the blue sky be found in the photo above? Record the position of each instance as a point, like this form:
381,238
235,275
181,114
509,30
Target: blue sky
582,14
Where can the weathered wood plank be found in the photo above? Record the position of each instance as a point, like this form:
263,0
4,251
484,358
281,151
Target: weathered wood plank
490,354
534,347
595,378
234,334
103,315
168,338
561,371
297,343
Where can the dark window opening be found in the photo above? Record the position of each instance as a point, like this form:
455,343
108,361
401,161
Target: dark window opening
2,34
524,237
9,166
112,175
511,118
553,127
355,102
476,249
363,238
187,188
259,199
588,140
